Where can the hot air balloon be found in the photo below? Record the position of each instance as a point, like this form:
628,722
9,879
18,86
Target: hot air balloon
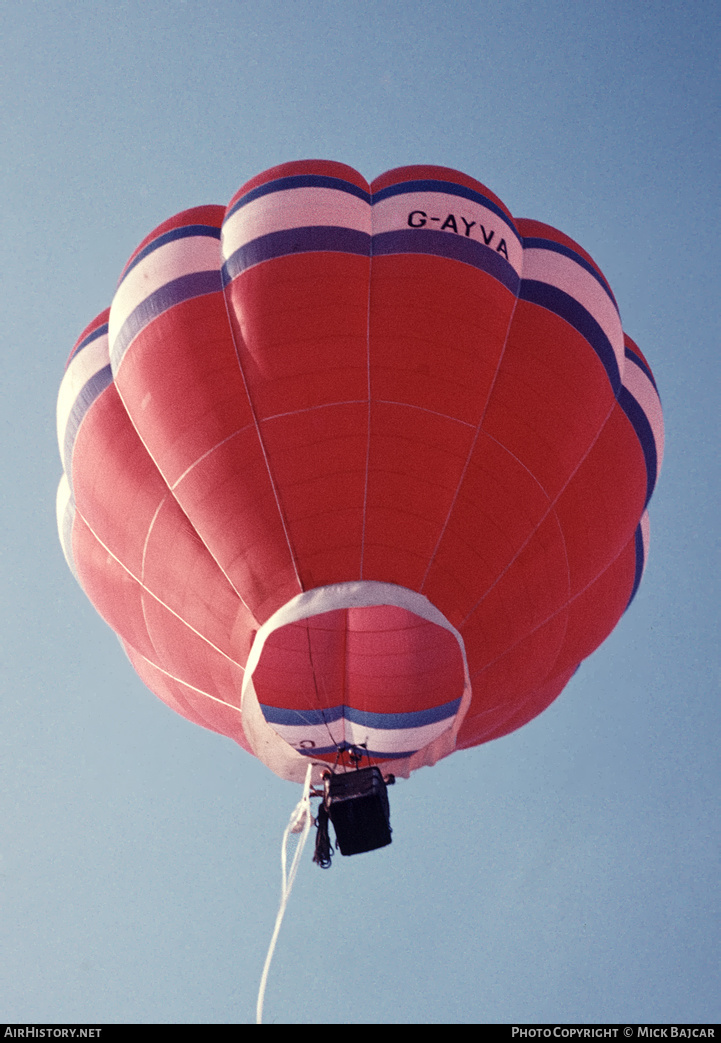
358,471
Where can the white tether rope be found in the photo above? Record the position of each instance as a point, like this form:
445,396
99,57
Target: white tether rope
300,822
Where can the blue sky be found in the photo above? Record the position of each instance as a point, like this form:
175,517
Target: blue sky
568,872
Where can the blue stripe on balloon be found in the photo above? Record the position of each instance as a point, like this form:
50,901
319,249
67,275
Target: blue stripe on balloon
364,718
282,715
196,284
640,558
644,432
320,238
284,184
568,308
447,244
84,400
308,239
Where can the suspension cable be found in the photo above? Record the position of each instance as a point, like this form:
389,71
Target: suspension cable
299,822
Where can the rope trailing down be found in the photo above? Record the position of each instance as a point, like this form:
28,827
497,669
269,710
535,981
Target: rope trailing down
300,822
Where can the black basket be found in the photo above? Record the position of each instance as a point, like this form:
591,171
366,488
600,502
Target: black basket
357,803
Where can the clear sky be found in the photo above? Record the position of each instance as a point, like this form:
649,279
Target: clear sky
568,872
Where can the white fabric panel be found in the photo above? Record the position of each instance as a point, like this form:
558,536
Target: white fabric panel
392,215
378,740
638,384
183,256
82,367
64,513
294,208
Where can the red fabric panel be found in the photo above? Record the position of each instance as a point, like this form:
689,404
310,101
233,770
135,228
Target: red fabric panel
382,659
200,709
483,728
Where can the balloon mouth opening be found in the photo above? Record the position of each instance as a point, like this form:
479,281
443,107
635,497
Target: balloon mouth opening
377,681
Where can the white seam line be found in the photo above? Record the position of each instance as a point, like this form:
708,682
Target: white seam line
159,600
187,684
551,508
262,445
472,447
553,615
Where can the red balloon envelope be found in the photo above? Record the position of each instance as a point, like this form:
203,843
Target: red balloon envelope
358,466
